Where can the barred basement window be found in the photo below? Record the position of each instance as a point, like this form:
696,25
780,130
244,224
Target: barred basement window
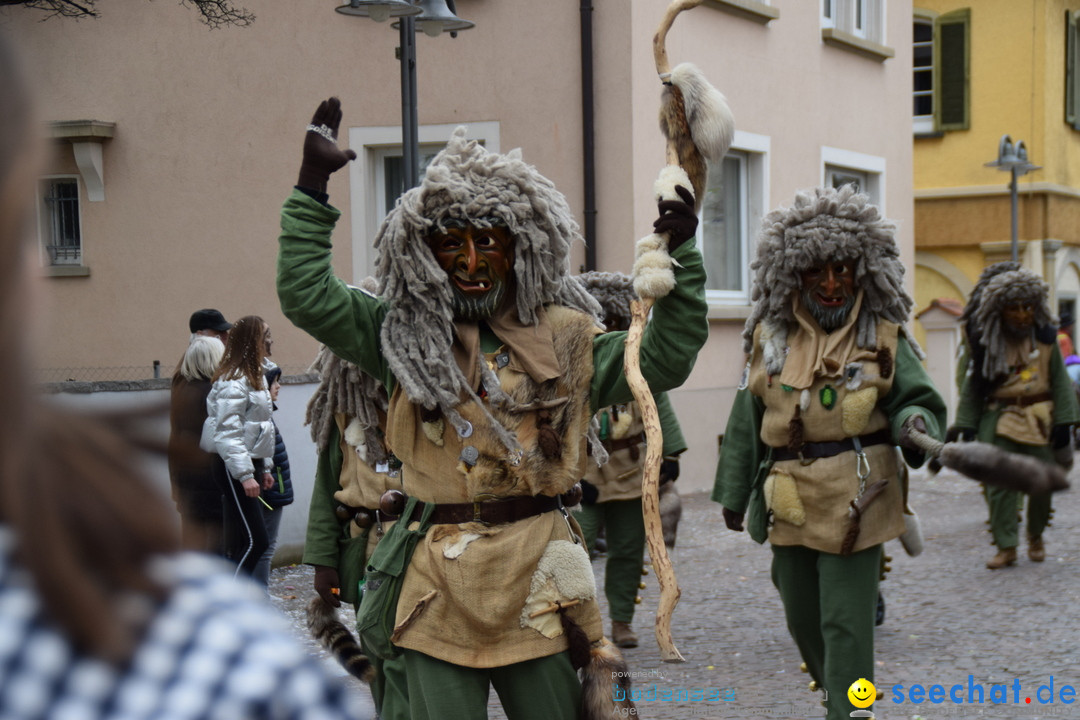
60,228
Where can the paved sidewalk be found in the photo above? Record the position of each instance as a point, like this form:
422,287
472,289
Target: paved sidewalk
949,620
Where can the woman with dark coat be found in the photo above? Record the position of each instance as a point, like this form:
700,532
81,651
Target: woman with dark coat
191,470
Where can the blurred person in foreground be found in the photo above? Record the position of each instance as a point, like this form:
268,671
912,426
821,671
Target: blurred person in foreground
103,617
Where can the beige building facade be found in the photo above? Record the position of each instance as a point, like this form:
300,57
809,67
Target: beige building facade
179,144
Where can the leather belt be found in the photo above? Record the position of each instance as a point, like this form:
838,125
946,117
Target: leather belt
363,517
813,450
489,512
623,443
1023,400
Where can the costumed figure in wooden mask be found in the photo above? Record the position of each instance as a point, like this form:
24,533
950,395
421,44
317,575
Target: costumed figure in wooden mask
831,384
494,365
1017,396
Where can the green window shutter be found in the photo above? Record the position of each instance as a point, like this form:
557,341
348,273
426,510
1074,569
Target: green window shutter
952,70
1072,77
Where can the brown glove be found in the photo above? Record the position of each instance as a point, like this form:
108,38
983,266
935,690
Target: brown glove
733,520
677,218
916,423
328,584
322,156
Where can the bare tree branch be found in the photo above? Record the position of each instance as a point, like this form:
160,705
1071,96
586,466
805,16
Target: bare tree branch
214,13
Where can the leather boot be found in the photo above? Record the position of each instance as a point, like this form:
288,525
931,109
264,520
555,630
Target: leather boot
1036,549
1004,558
622,635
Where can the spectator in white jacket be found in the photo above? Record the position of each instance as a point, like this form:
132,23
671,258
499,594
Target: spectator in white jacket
238,427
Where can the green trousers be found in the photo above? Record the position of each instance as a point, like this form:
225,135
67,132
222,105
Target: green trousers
625,533
389,689
1005,504
829,602
546,688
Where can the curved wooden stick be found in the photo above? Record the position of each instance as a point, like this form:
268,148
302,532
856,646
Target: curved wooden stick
654,436
650,486
663,67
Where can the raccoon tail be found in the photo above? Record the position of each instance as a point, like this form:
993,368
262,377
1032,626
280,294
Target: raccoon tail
605,684
323,622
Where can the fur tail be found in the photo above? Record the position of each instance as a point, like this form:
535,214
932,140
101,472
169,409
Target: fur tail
991,465
332,634
605,684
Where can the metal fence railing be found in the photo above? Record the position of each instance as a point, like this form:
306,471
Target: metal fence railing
126,373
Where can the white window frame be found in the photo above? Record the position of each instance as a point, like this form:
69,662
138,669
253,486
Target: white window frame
828,13
754,150
923,124
366,186
44,232
865,19
872,166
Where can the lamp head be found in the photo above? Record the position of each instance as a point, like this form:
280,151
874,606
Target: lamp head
379,10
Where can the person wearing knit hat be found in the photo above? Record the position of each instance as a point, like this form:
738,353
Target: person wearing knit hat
612,499
832,384
494,364
1017,395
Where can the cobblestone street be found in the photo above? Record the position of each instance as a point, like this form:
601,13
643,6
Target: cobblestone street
949,620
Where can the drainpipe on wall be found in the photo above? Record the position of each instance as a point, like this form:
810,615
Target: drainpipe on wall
587,127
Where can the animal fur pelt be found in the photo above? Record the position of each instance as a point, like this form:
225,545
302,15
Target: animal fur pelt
670,512
695,116
993,466
323,622
605,677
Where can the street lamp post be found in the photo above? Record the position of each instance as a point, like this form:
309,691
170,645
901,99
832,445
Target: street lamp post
1014,160
433,17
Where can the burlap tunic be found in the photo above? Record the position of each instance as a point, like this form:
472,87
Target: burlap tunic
809,501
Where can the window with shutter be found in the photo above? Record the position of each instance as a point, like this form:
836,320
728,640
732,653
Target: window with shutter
1072,73
923,70
952,72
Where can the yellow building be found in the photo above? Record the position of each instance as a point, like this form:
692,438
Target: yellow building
983,70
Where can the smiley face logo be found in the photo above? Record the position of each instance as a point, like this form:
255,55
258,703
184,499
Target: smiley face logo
862,693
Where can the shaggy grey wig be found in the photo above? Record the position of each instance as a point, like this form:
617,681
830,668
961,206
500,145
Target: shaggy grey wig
614,291
344,388
826,224
467,183
1001,291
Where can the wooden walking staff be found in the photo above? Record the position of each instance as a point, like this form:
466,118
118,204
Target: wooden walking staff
697,123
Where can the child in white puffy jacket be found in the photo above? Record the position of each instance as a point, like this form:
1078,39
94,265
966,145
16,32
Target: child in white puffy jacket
239,429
